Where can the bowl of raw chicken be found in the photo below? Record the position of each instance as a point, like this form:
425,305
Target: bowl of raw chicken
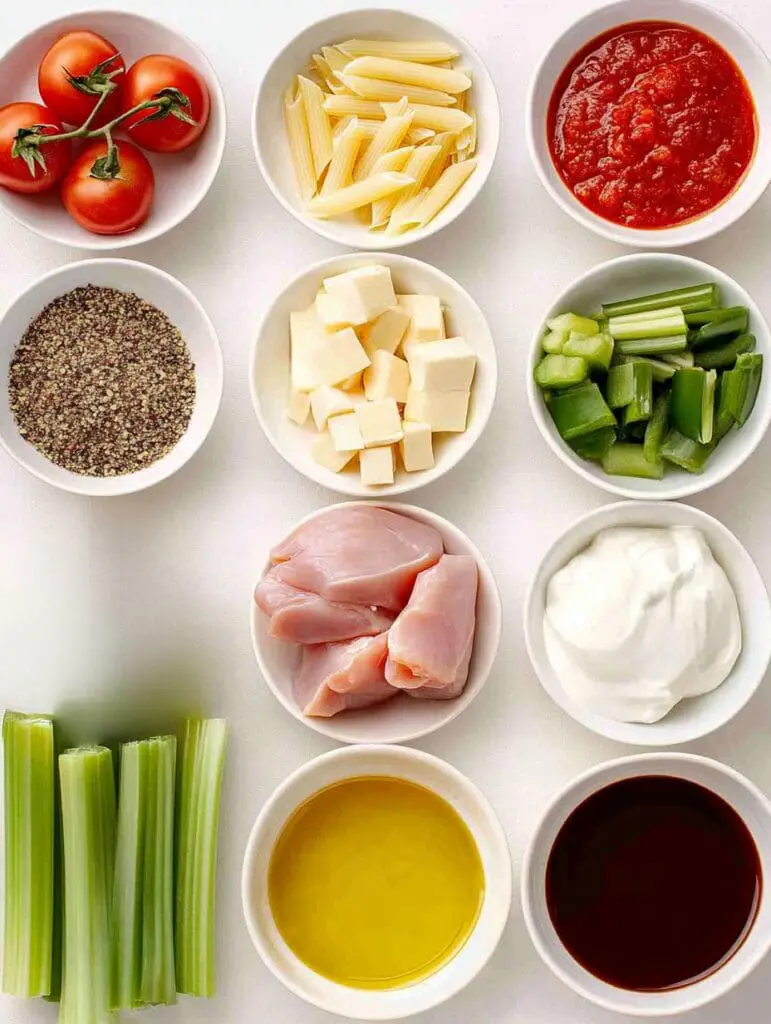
375,623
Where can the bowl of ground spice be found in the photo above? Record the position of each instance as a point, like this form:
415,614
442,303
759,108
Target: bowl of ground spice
112,377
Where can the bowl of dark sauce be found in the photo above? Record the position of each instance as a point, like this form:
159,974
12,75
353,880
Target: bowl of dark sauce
645,885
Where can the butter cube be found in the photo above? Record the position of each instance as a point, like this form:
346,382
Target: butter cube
426,320
352,383
416,448
325,454
362,294
441,410
346,433
299,406
387,377
307,338
377,466
327,401
386,331
331,312
443,365
379,422
341,357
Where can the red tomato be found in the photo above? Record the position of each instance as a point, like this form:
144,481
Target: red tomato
104,204
149,77
14,172
72,73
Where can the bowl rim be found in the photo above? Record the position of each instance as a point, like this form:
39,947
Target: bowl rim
700,228
379,241
588,719
566,794
76,487
95,243
397,755
338,483
690,484
455,707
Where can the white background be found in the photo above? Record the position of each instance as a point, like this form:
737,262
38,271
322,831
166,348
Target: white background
121,615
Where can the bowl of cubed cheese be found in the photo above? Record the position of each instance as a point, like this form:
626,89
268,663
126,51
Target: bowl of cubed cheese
373,374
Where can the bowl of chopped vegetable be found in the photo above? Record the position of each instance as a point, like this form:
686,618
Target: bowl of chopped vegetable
646,376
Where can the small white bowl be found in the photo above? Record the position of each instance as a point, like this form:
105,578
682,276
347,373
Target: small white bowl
269,371
402,718
640,274
184,311
471,805
269,138
696,716
746,799
753,63
181,179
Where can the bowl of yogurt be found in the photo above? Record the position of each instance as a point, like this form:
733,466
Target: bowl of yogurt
649,623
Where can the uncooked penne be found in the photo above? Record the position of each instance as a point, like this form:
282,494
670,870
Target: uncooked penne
319,128
299,144
409,73
417,166
389,136
396,160
387,92
417,135
361,193
446,142
355,106
439,119
439,196
423,52
368,128
396,109
345,151
406,220
336,60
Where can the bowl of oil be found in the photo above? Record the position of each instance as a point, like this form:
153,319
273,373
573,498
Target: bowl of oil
376,882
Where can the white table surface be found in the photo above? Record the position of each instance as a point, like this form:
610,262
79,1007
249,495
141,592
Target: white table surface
122,615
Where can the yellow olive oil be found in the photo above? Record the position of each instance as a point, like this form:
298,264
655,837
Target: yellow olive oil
375,882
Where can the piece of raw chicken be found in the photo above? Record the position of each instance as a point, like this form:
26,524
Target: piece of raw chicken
360,554
339,676
429,645
301,617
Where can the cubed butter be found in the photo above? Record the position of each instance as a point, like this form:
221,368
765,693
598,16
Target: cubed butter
386,331
362,294
416,448
352,383
323,452
327,401
426,320
346,433
307,339
341,357
377,466
331,311
387,377
299,406
441,410
446,365
379,422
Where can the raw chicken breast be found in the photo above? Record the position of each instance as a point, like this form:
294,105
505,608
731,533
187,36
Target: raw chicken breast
301,617
360,554
429,645
335,677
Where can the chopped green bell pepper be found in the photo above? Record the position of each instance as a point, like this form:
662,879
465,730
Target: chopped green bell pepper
580,411
625,459
693,403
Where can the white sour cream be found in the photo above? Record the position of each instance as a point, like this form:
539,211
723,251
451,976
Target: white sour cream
639,620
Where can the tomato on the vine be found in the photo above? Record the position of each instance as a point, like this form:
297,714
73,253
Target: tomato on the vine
184,122
75,72
30,170
109,192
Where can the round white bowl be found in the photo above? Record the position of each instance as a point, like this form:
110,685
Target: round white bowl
732,37
182,308
181,179
696,716
269,138
639,274
746,799
402,718
269,371
471,805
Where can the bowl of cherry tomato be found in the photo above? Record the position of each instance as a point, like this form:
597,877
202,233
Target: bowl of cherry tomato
112,129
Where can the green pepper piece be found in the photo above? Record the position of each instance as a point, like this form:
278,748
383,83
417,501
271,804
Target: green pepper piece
720,330
555,371
657,428
725,356
641,406
686,453
594,445
693,403
752,366
580,411
620,385
596,349
625,459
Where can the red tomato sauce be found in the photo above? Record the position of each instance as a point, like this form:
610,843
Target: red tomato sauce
651,124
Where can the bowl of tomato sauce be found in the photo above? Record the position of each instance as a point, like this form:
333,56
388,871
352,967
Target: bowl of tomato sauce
645,122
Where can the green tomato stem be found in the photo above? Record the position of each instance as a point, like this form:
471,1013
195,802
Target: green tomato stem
84,132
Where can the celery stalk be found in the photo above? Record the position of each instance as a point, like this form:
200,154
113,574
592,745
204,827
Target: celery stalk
88,832
28,744
200,776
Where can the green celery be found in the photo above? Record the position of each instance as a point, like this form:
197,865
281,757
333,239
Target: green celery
686,453
158,981
573,322
719,331
725,356
661,371
679,359
641,406
594,445
664,326
596,349
625,459
129,878
708,316
752,365
657,428
689,299
693,403
652,346
619,390
555,371
553,341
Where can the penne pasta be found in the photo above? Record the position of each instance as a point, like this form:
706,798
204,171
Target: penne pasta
405,221
368,128
423,53
389,136
386,92
355,106
344,154
453,177
319,128
361,193
417,166
336,60
409,73
439,119
417,135
396,160
299,144
340,127
446,142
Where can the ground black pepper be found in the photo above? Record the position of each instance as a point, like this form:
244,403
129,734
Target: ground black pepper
102,382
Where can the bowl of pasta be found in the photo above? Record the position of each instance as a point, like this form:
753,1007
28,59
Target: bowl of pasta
376,128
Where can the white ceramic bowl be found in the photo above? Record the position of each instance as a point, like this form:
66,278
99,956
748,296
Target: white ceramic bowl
181,179
466,799
269,371
640,274
182,308
739,792
269,137
696,716
732,37
402,718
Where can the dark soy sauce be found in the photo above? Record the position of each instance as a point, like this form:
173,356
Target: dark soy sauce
653,883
